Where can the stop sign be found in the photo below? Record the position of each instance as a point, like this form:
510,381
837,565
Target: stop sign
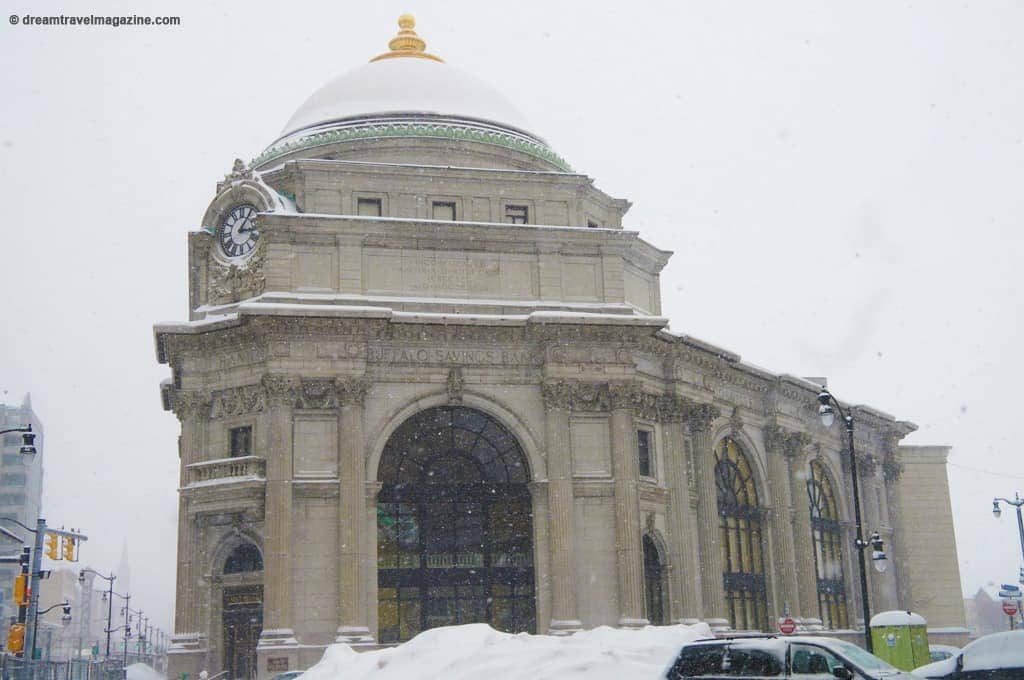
1009,607
787,626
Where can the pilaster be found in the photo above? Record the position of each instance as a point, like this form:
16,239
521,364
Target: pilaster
557,401
278,637
353,625
685,575
782,448
627,505
698,421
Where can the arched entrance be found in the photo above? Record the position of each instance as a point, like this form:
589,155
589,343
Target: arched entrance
454,526
654,590
242,610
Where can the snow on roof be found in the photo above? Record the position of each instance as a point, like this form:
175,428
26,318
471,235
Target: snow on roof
897,618
478,651
394,86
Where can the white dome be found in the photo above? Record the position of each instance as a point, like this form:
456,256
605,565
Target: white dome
405,86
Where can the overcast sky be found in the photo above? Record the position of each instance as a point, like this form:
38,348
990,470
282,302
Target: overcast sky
841,185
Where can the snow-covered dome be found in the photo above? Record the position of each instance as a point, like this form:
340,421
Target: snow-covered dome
406,86
408,92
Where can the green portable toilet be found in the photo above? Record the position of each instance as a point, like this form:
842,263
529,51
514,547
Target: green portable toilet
901,638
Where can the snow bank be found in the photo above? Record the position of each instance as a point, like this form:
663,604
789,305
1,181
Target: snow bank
478,651
140,671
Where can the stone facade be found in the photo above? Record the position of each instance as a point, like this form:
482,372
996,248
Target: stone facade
301,363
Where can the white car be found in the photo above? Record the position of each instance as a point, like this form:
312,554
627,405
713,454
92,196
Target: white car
999,656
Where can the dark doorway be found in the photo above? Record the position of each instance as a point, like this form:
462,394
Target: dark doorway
243,623
654,591
454,526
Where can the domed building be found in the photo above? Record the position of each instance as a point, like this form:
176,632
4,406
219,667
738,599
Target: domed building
426,381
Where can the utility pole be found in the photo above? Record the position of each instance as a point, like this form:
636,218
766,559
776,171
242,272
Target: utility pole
33,598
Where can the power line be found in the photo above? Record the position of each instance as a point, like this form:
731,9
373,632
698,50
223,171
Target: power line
985,472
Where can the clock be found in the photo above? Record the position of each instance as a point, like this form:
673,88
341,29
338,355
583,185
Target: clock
238,233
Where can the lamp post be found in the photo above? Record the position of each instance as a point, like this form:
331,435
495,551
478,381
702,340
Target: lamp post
828,406
997,511
108,596
28,439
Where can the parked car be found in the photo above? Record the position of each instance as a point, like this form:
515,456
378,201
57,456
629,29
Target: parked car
779,657
999,656
940,652
288,675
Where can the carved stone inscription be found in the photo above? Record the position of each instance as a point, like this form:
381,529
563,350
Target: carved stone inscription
487,356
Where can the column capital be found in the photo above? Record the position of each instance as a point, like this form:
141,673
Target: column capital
700,416
351,391
191,403
782,441
282,390
624,395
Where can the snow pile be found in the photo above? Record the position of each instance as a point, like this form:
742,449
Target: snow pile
476,651
140,671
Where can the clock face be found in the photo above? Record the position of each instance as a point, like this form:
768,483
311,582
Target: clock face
238,234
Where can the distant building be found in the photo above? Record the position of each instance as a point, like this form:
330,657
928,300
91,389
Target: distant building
425,380
21,489
985,611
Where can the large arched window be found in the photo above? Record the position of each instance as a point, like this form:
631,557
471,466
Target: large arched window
244,558
828,553
654,588
740,526
454,526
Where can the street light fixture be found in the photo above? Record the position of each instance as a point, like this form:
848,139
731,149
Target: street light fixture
828,406
28,439
997,511
109,598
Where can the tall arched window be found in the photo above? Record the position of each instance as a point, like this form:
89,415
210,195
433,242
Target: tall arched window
654,591
828,553
740,523
454,526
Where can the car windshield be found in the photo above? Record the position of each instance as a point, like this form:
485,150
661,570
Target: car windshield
861,658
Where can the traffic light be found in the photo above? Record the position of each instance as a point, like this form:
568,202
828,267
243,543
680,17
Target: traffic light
51,550
69,548
20,590
16,639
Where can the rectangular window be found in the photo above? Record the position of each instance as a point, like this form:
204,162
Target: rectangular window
441,210
517,214
643,450
241,441
591,224
13,480
368,207
14,459
12,439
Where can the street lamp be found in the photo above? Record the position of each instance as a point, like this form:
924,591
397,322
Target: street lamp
28,439
997,511
827,409
108,596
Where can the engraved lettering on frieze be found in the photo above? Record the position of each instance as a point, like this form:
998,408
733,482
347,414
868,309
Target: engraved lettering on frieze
237,401
248,355
451,355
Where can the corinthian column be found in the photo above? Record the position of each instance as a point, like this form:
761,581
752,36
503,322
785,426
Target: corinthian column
192,407
353,627
685,575
781,447
557,402
627,506
282,392
699,419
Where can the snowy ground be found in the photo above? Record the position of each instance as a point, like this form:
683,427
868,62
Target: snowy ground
477,651
140,671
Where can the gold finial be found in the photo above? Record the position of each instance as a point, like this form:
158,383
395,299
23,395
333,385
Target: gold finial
407,43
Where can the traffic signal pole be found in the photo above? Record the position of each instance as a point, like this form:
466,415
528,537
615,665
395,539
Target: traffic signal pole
33,598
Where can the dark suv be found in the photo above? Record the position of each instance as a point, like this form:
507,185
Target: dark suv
779,657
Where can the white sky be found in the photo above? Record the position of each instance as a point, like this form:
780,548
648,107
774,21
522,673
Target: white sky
841,184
